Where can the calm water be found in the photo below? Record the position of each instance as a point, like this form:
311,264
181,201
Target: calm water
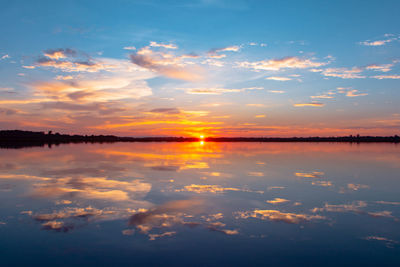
201,204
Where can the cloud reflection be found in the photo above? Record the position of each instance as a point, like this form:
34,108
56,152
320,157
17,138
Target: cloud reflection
278,216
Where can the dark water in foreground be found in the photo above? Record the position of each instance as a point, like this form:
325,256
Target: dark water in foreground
201,204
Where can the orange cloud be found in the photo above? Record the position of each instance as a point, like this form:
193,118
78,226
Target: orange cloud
383,68
59,53
354,93
309,174
277,200
311,104
207,188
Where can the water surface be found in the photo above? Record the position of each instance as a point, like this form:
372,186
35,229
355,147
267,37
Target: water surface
201,204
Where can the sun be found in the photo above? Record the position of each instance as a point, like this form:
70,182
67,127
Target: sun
201,136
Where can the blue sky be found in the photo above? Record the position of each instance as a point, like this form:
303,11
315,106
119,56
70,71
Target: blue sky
233,68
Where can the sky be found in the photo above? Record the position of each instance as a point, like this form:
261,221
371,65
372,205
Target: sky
204,67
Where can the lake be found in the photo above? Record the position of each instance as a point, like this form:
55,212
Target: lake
201,204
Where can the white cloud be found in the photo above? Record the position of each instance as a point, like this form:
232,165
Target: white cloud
343,73
276,78
216,90
168,46
130,48
381,77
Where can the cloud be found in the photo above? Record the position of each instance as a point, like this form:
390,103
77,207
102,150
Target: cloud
381,77
215,56
309,174
349,92
56,225
4,57
277,200
322,183
214,227
323,96
166,110
165,168
212,62
71,106
168,46
276,78
59,53
8,90
275,187
63,202
388,202
389,242
216,90
197,188
217,174
375,43
129,48
233,48
214,53
72,66
175,213
356,187
278,216
256,174
92,188
8,111
128,232
354,93
283,63
380,42
69,218
343,73
120,81
276,91
64,78
379,238
166,215
383,68
311,104
153,237
166,64
384,213
353,207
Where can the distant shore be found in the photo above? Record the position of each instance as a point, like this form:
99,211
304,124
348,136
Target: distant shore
18,138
